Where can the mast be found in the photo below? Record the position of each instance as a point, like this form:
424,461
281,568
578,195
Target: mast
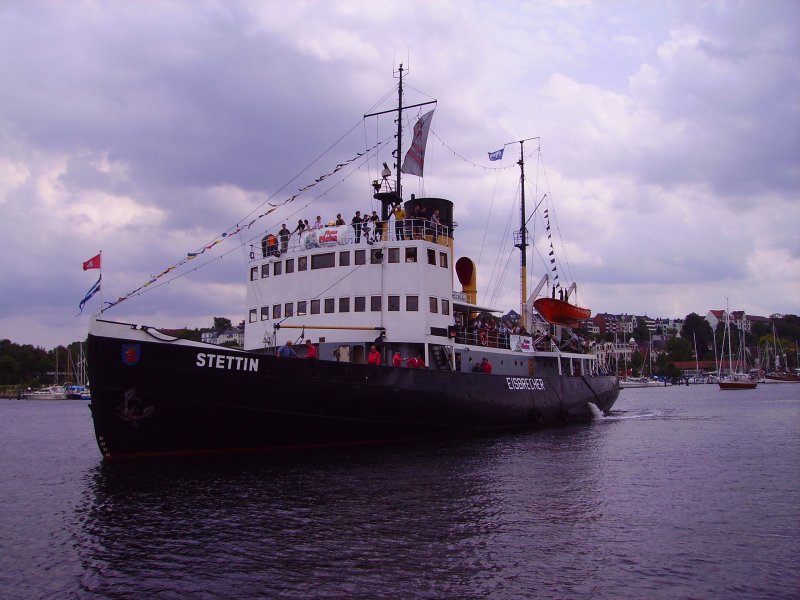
399,131
521,236
383,190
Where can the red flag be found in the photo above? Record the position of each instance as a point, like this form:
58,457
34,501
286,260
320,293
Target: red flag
92,263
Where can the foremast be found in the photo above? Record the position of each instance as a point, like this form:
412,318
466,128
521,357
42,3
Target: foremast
394,197
521,236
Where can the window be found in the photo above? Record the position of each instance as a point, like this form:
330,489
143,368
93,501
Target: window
375,256
412,303
253,273
290,265
375,303
394,255
431,256
393,303
315,307
443,259
344,258
264,313
277,267
361,304
329,305
344,305
301,308
253,313
302,263
445,307
323,261
264,271
276,311
411,255
361,257
434,304
289,309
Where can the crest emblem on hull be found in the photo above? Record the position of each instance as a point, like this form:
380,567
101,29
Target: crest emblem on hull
131,354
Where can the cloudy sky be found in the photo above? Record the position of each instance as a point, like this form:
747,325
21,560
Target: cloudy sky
669,145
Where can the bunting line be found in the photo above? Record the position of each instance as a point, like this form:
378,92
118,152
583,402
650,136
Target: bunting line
238,228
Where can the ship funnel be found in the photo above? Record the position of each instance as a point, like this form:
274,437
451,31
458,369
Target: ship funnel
467,274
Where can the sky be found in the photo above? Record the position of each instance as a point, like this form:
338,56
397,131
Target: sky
667,151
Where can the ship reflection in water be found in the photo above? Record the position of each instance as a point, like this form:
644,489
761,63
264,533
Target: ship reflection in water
615,508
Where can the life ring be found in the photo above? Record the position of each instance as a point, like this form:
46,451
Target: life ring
484,338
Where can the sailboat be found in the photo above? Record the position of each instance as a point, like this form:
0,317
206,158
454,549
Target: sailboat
735,379
389,354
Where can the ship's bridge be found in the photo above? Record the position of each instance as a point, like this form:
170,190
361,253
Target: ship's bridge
338,285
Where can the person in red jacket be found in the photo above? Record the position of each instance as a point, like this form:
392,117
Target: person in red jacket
311,350
416,362
486,366
397,360
374,357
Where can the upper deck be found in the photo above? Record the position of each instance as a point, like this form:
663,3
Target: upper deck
343,287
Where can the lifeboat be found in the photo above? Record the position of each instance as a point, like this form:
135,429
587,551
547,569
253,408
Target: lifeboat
559,312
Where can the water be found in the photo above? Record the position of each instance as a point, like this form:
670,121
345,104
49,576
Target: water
683,492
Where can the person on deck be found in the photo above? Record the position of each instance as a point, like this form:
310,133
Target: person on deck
311,350
374,357
397,360
286,351
339,220
416,362
399,215
356,223
486,366
283,236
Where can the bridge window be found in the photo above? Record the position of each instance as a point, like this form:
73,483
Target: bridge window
394,255
344,305
412,303
431,256
290,265
277,267
265,313
276,311
302,263
289,309
445,307
393,303
323,261
329,305
253,315
253,273
375,303
361,257
360,303
443,259
344,258
301,307
411,255
434,304
315,307
264,271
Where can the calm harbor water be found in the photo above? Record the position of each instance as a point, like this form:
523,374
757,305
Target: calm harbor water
683,492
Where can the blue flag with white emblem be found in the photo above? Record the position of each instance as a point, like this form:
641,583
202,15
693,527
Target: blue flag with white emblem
496,155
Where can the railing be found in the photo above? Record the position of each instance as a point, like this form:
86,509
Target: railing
485,338
337,235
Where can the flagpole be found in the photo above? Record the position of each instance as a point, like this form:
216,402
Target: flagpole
101,282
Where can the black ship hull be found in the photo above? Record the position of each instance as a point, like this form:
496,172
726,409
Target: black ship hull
166,397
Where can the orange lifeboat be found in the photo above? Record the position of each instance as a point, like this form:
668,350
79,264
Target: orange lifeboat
559,312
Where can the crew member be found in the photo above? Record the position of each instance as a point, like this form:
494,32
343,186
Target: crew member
311,350
374,357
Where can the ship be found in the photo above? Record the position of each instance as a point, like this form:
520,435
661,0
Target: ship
351,337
